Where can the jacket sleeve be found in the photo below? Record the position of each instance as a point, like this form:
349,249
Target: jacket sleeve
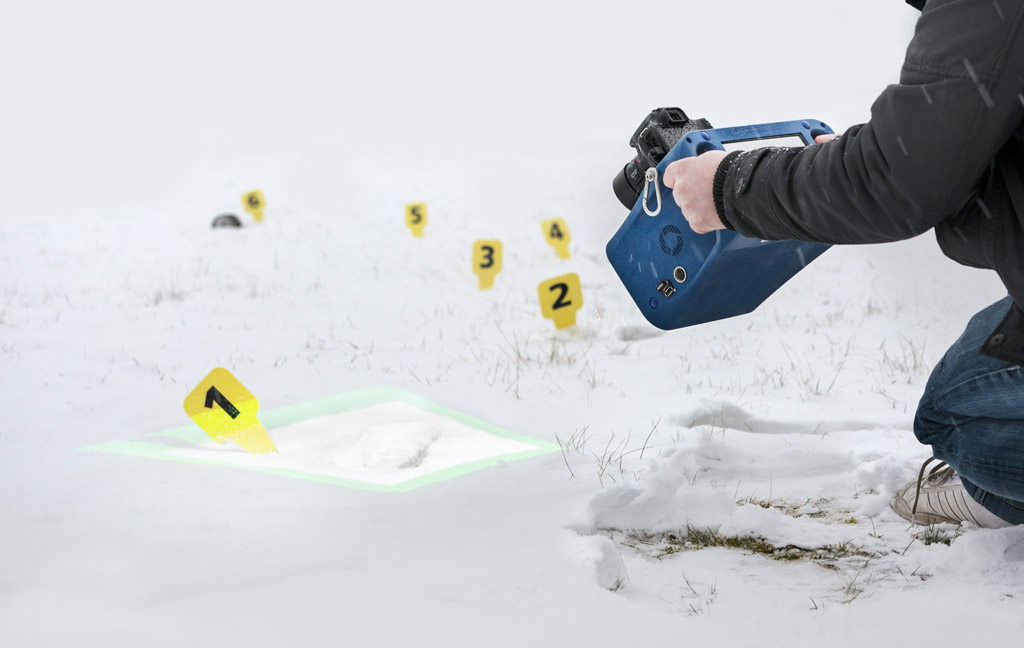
916,162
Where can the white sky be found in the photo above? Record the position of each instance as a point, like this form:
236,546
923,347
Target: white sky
103,92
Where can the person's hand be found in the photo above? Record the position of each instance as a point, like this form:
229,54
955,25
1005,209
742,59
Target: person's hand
691,180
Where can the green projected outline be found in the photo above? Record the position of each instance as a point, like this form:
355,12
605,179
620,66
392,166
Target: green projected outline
359,399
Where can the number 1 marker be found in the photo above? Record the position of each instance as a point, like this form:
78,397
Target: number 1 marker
226,410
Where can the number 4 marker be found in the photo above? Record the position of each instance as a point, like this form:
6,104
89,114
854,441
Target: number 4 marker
226,410
556,232
560,298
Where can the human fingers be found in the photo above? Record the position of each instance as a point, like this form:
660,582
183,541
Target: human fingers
672,172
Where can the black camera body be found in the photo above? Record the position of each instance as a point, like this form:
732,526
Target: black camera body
652,140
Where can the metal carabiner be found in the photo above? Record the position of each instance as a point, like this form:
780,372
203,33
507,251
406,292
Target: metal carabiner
652,177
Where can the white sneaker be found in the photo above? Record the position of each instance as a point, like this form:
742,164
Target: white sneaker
940,497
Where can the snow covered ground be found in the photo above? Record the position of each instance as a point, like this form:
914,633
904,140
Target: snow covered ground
777,438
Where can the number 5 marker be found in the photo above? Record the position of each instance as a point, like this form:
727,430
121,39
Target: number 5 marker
487,261
416,218
560,298
226,410
556,232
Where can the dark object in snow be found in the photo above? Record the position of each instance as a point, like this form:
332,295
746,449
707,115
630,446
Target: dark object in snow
226,220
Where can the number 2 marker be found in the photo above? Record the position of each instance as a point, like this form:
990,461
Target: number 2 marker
560,298
226,410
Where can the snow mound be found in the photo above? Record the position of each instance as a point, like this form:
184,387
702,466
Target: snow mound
599,554
667,499
986,551
730,416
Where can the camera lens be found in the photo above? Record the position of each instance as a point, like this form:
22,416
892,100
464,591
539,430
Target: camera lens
628,184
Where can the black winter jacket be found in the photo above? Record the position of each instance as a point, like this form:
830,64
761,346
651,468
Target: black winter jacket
944,149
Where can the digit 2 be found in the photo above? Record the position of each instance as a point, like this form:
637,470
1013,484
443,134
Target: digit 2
561,302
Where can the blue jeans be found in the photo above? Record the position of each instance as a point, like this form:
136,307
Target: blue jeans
972,414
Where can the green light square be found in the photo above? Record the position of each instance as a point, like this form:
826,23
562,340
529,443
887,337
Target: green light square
190,442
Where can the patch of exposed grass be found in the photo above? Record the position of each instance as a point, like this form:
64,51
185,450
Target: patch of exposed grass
939,534
664,545
819,508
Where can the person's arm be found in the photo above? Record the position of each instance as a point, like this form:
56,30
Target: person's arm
929,141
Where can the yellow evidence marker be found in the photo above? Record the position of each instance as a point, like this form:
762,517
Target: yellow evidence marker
487,261
416,218
254,204
560,298
226,410
557,234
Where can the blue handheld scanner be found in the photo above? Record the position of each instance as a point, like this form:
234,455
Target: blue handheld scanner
679,278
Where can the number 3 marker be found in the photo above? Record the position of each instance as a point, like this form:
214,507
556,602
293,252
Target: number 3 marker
557,234
487,261
226,410
254,204
416,218
560,298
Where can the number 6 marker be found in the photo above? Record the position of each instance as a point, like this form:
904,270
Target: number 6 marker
560,298
487,261
254,204
226,410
